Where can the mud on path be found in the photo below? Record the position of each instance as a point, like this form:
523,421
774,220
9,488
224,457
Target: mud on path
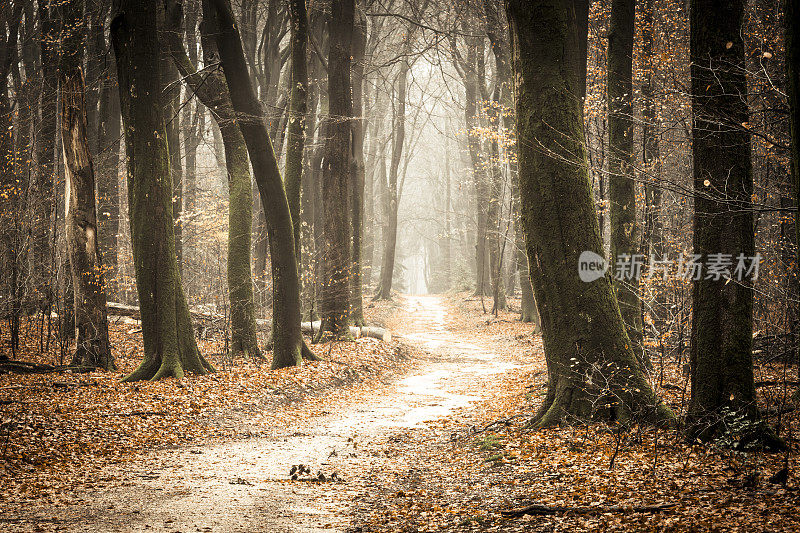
244,485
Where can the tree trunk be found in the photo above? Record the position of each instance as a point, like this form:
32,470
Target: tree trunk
722,316
91,320
169,345
501,100
621,184
172,99
390,223
358,172
43,193
653,226
593,372
286,335
211,90
192,125
298,107
336,169
9,26
107,175
792,40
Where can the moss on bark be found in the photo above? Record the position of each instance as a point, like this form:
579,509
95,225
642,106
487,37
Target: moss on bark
169,344
593,372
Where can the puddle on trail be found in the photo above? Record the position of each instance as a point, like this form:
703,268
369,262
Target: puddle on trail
242,486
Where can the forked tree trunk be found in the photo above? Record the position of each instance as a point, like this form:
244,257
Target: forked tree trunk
288,345
722,316
91,319
336,169
621,184
169,344
211,90
593,372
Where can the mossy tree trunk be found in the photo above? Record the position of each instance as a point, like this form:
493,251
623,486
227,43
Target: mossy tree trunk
288,345
621,184
722,314
358,172
593,372
211,89
169,344
91,319
336,173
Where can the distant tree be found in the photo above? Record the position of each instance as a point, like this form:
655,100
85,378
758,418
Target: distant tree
91,319
170,348
621,184
392,198
358,172
593,372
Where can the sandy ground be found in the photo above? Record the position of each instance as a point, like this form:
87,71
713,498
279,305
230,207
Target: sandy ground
245,485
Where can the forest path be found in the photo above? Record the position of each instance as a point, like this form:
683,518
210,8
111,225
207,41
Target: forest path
243,485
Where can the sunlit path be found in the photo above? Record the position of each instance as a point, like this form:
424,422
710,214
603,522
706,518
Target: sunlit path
244,485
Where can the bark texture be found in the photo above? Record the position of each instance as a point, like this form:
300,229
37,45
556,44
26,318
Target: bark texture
169,344
593,372
91,319
722,314
288,345
336,169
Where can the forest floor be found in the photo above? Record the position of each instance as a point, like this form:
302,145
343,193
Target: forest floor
426,433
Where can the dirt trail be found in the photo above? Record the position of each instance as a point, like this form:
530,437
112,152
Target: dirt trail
243,485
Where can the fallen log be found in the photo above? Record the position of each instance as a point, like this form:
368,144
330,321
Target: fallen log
539,509
132,311
24,367
374,332
356,331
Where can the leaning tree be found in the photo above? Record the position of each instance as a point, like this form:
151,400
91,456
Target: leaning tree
288,345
